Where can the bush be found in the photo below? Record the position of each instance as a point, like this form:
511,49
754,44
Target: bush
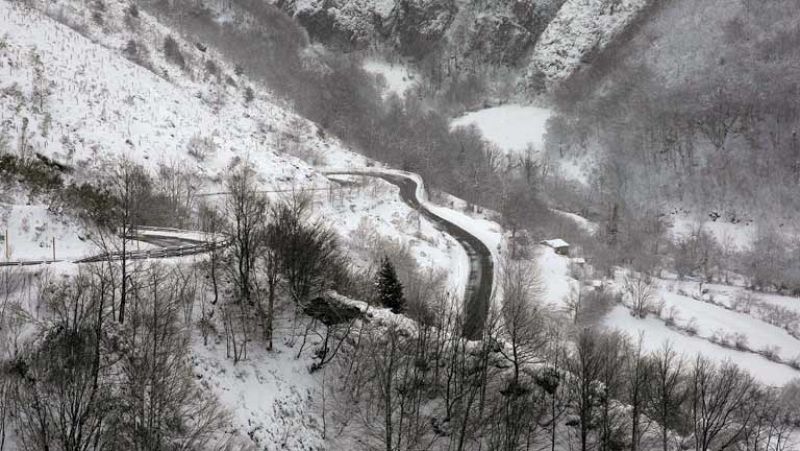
173,53
672,314
200,148
212,68
131,50
40,173
770,353
691,327
133,11
740,341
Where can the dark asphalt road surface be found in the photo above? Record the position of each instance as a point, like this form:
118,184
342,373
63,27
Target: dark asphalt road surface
481,275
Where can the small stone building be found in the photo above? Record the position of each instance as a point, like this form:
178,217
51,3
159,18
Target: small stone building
560,246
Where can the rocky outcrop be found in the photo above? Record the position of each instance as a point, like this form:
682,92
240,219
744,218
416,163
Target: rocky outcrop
496,31
504,32
417,26
548,39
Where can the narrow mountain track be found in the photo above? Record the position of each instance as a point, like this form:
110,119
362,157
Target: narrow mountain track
169,246
477,296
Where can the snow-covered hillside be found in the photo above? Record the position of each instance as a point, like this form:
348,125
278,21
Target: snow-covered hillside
32,229
96,106
581,28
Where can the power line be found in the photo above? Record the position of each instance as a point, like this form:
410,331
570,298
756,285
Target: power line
285,190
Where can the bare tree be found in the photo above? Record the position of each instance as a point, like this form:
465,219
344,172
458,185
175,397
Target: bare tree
637,386
306,250
160,405
667,391
719,397
129,188
522,319
247,213
640,292
61,395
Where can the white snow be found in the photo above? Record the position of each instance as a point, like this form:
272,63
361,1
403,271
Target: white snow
712,320
555,274
489,232
587,225
365,214
271,395
739,236
103,106
555,243
580,27
511,127
32,230
656,333
398,77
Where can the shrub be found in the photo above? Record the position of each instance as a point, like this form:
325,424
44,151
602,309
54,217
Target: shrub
770,353
39,174
743,301
740,341
212,68
133,11
131,50
670,319
200,148
173,53
691,327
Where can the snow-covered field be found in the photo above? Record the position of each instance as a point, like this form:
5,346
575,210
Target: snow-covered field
511,127
694,321
655,333
694,324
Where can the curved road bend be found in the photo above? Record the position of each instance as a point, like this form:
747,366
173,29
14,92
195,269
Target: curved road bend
169,246
478,294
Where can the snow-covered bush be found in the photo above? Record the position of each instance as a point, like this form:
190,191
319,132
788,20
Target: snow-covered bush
201,147
173,52
740,341
691,327
771,353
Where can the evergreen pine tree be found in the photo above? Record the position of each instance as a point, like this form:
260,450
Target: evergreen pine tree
390,290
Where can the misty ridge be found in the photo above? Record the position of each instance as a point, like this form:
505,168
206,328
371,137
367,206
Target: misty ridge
399,225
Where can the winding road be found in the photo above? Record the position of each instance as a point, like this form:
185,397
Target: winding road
478,294
170,242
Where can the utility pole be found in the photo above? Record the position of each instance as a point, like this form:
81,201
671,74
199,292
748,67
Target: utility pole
8,252
54,248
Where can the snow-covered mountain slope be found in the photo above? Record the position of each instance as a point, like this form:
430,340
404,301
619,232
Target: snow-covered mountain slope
581,28
548,40
99,106
76,99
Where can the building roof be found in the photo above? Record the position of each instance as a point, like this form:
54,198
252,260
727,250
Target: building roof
556,243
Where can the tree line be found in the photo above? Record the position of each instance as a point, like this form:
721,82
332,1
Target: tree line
533,382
